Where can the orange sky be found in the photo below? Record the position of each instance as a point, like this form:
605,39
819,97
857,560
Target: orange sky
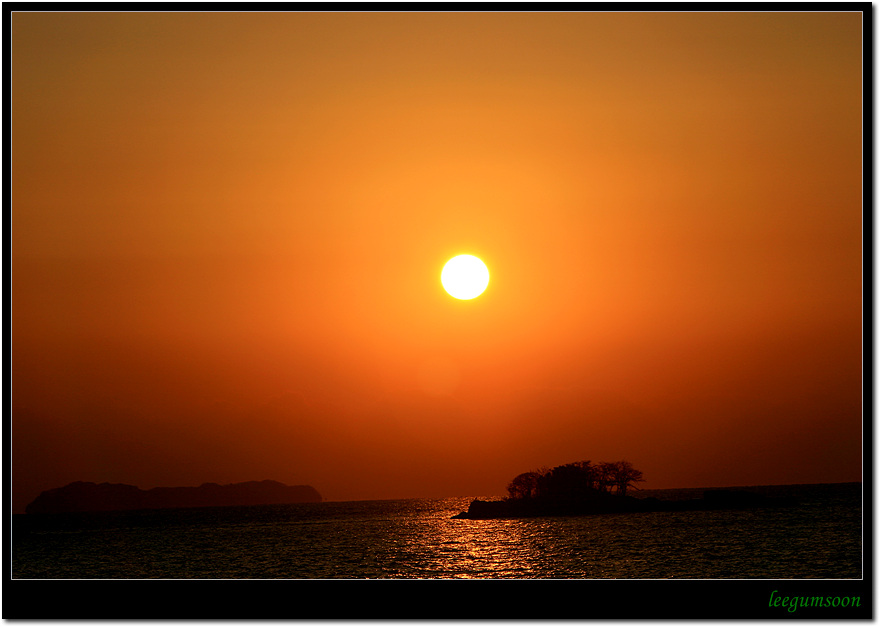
227,231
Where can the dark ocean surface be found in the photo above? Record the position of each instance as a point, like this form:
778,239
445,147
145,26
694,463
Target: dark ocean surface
819,537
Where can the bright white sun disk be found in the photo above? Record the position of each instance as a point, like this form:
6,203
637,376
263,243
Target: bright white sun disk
465,277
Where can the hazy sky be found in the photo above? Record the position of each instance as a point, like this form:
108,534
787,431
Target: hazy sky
227,232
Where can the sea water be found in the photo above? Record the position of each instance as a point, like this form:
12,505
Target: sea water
820,536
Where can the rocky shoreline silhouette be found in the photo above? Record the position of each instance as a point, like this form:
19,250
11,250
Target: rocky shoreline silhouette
84,496
600,503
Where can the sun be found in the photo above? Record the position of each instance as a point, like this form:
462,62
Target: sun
465,277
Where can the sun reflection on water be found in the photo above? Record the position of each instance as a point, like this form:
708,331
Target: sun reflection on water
472,550
439,547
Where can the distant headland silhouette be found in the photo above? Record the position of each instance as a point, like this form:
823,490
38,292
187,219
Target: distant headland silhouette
581,488
84,496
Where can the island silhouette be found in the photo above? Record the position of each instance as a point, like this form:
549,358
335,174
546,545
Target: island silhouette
85,496
581,488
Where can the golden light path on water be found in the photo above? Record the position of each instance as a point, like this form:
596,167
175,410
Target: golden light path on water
502,549
475,550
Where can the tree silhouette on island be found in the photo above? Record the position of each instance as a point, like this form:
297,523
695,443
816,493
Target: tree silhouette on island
575,480
580,488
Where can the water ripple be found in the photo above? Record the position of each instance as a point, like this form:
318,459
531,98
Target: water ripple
418,539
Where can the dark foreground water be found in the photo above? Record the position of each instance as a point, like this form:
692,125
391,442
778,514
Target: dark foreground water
820,537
